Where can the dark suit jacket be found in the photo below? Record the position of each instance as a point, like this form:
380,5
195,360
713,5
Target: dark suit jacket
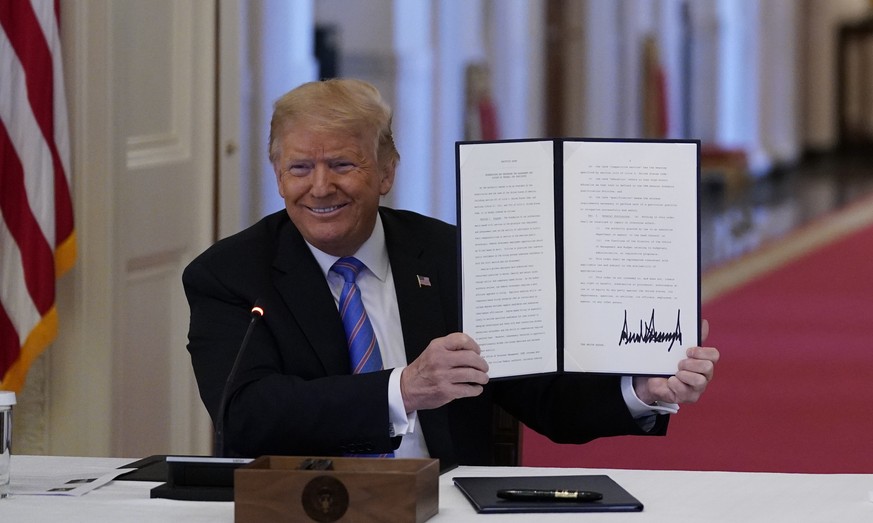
294,393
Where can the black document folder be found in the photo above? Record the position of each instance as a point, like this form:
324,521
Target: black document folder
482,493
190,478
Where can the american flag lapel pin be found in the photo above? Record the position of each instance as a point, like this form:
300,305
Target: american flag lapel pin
423,281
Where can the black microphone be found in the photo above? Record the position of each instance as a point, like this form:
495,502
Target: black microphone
257,313
198,478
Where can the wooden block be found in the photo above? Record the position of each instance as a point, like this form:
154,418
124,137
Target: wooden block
274,489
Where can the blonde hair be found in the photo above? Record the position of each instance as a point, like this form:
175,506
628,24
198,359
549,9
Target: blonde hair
336,105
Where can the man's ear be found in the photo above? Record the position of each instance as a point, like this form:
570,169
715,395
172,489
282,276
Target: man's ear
387,180
279,179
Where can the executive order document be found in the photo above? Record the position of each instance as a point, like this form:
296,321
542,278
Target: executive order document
580,255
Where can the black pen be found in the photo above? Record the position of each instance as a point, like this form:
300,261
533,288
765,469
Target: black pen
549,495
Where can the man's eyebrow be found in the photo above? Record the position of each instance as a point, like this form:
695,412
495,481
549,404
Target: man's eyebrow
306,156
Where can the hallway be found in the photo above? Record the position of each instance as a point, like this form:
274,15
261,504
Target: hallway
736,221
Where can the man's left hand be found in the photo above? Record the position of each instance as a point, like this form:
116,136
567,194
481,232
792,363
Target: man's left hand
689,382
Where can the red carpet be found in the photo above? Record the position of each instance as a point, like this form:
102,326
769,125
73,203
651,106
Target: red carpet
793,391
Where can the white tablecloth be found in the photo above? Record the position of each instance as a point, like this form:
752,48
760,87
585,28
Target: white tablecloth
668,496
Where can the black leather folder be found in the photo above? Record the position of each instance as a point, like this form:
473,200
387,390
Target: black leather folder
190,478
482,493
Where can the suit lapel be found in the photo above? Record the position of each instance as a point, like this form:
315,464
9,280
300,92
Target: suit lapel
304,290
421,314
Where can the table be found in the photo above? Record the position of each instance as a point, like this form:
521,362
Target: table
674,496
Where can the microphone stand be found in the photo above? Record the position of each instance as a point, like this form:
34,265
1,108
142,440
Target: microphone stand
198,478
257,313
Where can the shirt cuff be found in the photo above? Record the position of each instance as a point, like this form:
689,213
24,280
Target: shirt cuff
637,408
399,421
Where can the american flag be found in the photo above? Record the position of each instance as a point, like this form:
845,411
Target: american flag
37,239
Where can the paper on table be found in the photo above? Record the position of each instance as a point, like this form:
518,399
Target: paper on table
61,484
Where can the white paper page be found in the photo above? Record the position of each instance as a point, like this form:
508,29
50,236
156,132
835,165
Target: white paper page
508,254
630,256
62,484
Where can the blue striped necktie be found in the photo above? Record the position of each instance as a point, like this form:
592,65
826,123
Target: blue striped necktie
363,347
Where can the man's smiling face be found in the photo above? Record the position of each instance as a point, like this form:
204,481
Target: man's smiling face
331,184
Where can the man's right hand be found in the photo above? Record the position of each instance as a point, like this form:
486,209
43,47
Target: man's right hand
449,368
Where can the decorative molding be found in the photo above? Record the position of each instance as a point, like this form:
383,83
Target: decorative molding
173,144
157,150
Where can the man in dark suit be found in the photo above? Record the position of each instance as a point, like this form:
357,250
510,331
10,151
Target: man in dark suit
295,392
